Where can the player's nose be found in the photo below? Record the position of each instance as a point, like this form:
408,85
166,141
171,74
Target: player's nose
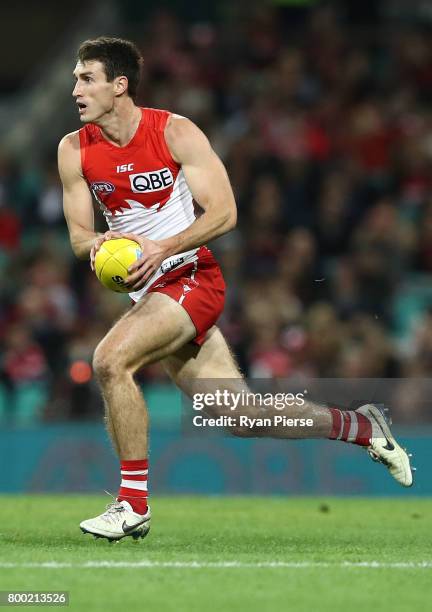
76,90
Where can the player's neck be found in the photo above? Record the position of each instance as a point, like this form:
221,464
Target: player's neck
120,126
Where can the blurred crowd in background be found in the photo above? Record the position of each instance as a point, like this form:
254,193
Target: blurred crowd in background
326,132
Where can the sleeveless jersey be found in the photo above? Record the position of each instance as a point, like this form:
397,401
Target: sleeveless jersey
139,187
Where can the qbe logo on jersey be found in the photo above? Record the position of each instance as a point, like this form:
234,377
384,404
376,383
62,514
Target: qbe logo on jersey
151,181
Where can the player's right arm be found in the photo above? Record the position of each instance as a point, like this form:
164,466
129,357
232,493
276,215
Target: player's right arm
77,199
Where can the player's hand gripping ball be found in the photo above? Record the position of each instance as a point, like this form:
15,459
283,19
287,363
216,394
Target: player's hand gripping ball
112,261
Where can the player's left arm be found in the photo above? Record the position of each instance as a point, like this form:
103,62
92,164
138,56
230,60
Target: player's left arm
209,184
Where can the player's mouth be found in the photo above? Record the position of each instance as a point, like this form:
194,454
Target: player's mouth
81,107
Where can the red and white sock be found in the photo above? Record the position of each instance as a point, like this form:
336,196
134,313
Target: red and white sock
350,426
133,488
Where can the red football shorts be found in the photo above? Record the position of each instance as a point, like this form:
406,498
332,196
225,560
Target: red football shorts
199,287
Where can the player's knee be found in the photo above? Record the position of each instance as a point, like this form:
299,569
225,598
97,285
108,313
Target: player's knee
106,365
110,363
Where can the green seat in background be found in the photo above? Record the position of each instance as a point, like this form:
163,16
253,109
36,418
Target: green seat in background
410,304
24,405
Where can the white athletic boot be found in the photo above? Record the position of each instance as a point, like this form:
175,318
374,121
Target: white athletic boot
384,448
118,521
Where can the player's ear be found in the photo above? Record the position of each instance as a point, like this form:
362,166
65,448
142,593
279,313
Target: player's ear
120,85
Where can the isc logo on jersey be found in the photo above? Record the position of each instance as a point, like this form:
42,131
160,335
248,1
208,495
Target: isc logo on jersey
157,180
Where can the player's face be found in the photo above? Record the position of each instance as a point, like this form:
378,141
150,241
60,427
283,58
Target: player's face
93,94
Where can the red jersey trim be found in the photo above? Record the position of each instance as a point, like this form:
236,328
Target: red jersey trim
83,147
164,145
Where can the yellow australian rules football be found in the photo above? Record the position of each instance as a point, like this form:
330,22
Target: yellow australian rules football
112,261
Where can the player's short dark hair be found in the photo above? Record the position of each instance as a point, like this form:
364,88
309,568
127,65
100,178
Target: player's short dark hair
120,58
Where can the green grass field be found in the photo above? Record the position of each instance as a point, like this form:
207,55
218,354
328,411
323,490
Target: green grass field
220,554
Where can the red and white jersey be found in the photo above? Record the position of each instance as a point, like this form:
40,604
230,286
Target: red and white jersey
139,187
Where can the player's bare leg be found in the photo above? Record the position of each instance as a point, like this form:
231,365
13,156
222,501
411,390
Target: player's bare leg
155,327
192,367
366,426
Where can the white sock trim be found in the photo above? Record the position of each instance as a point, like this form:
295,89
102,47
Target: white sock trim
140,485
353,430
134,472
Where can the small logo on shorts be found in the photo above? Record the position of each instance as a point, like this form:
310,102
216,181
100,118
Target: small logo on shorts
169,265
